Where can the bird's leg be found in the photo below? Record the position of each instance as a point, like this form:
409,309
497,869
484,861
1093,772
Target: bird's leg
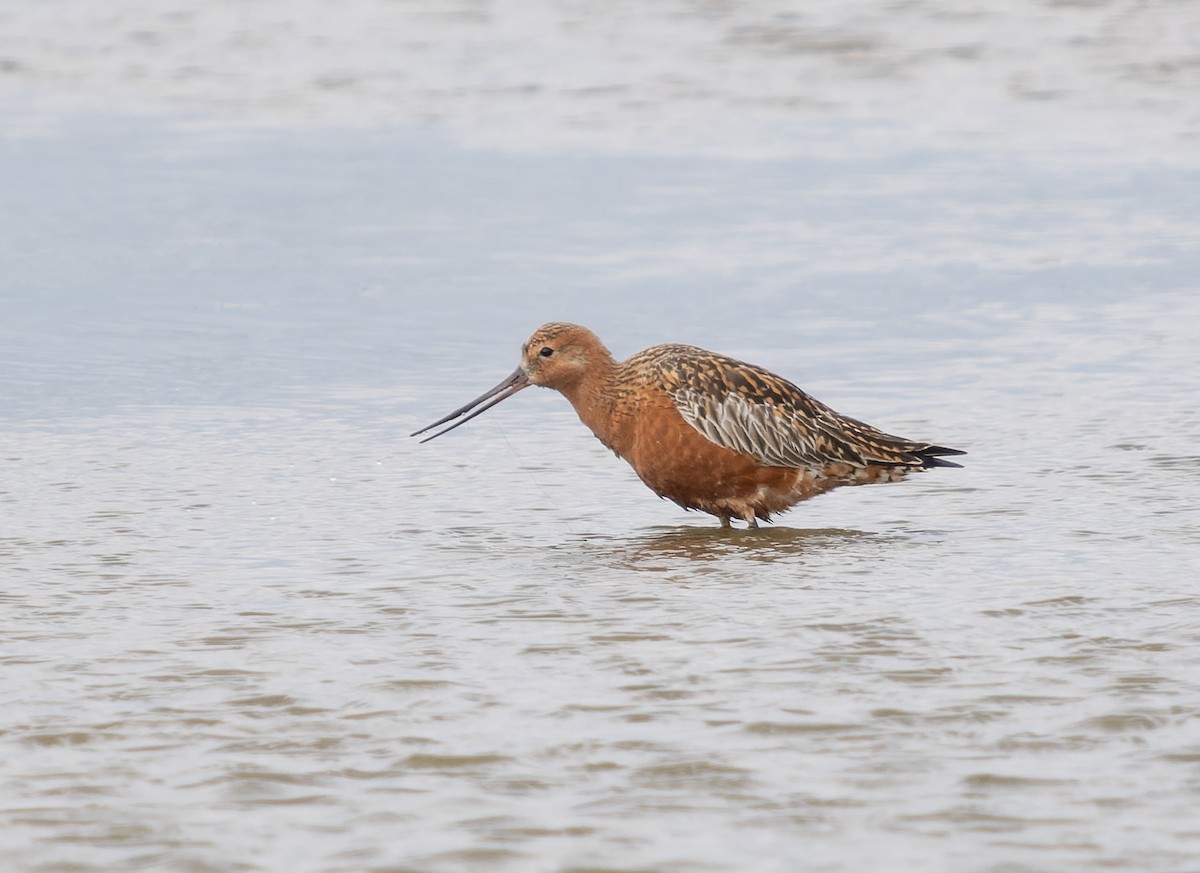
751,521
725,521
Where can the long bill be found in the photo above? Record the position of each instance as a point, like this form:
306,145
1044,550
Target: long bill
510,386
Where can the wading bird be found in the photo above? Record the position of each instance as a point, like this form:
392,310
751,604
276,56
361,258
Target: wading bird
707,431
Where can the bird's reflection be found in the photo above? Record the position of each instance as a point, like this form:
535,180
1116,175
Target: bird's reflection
701,544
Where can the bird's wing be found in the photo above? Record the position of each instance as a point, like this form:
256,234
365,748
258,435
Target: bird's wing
754,412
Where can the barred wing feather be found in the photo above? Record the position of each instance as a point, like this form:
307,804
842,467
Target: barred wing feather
756,413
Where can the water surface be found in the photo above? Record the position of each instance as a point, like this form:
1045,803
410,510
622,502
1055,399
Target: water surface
250,625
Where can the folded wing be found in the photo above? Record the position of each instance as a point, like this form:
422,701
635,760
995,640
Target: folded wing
754,412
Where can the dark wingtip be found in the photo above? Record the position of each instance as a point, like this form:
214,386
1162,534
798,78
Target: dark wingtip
930,456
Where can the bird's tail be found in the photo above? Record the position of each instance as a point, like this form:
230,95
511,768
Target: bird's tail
931,456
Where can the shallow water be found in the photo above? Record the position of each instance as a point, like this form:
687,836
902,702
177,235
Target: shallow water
250,625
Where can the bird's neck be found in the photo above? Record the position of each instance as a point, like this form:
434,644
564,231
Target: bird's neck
593,397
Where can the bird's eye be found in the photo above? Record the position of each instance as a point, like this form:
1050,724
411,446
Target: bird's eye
546,351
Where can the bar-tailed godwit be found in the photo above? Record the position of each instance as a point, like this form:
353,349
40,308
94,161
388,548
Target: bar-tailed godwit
704,430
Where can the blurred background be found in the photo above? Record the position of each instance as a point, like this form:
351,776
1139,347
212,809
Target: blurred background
675,78
246,247
652,170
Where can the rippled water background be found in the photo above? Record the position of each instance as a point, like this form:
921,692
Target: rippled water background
249,625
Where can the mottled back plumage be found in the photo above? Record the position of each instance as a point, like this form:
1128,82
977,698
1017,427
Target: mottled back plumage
751,410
